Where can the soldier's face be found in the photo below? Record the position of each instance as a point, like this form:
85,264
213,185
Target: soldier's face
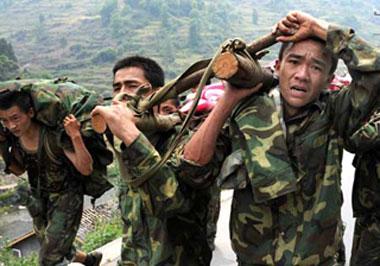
16,121
128,80
167,107
303,73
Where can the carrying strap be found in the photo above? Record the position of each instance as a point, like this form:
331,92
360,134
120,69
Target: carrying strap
41,141
137,181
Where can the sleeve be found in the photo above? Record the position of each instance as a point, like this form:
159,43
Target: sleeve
12,159
367,137
173,188
353,104
162,194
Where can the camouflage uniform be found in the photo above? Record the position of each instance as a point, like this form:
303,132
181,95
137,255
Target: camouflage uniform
287,199
55,199
161,227
366,194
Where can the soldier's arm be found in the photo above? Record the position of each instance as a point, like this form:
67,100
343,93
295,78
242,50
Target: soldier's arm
201,147
367,137
162,192
354,104
12,165
80,157
351,105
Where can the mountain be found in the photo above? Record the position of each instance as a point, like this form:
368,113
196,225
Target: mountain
83,39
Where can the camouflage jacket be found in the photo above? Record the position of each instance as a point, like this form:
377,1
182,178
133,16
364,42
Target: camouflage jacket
165,222
287,199
366,190
48,169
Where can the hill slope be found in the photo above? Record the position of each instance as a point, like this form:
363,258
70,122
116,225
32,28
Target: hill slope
83,39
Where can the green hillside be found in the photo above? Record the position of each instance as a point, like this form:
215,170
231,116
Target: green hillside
83,39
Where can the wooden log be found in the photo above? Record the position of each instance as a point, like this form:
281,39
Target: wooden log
262,43
240,70
191,78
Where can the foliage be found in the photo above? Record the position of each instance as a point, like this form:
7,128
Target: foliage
103,233
7,257
255,16
40,30
7,50
174,32
107,10
8,68
5,4
104,56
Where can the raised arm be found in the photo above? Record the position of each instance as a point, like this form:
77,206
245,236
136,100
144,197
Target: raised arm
201,147
80,157
353,104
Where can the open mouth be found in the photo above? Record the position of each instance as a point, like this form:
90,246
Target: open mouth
296,88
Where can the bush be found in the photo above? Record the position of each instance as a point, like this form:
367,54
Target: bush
105,56
7,258
8,68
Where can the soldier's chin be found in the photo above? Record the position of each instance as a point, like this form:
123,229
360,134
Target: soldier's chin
16,133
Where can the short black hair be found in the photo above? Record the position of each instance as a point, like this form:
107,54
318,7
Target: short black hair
12,98
334,59
152,70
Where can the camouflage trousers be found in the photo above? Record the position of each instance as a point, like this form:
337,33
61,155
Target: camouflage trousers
56,220
213,215
366,243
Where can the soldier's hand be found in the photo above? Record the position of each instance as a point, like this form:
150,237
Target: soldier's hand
72,126
298,26
120,120
234,95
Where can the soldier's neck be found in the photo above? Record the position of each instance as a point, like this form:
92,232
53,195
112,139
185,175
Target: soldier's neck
29,141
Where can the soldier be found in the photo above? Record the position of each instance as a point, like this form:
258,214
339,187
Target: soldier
285,147
168,107
286,206
366,194
55,198
287,200
149,237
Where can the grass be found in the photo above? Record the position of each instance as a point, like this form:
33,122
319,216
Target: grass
7,258
104,232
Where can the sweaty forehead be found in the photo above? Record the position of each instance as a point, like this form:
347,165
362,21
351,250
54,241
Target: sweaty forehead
130,74
14,110
311,48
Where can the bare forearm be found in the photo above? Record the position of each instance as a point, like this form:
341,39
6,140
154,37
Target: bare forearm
81,158
201,147
319,28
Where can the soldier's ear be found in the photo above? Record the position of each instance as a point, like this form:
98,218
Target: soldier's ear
277,65
31,113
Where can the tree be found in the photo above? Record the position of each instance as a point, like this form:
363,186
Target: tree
40,30
105,56
255,16
4,4
194,38
106,12
6,49
8,68
8,61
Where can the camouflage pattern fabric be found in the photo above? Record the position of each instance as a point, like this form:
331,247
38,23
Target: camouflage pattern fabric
56,197
289,211
56,224
366,243
165,222
52,101
55,99
366,193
